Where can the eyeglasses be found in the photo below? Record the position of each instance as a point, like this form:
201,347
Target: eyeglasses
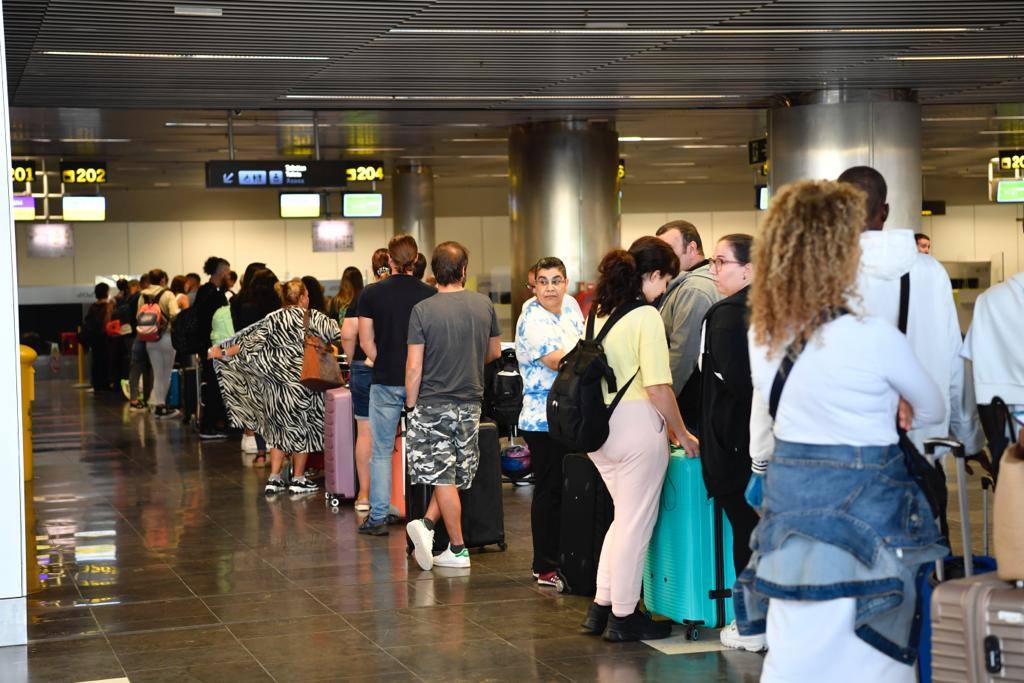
554,282
717,262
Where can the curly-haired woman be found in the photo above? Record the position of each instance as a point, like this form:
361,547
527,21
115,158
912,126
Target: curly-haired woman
633,460
844,529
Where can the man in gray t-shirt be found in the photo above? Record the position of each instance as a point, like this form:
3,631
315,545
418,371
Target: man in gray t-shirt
451,337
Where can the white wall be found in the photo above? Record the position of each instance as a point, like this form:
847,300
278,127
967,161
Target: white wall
965,233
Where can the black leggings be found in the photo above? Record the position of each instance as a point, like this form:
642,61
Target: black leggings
743,519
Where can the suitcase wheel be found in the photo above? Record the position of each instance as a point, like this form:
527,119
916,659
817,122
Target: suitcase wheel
334,502
693,633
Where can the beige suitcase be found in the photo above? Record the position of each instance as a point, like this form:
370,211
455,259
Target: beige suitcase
978,630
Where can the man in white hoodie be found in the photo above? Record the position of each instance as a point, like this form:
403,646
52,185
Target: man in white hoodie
932,326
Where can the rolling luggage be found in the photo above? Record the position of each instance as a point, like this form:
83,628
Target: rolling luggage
174,390
339,448
689,572
587,512
952,569
483,513
192,392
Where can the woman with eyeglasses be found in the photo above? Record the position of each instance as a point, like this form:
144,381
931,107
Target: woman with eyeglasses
726,391
548,328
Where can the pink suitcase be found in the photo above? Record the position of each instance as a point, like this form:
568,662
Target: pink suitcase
339,448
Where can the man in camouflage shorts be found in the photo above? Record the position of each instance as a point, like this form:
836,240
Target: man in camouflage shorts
451,337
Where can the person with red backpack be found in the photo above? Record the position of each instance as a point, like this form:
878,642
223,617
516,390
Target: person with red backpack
158,307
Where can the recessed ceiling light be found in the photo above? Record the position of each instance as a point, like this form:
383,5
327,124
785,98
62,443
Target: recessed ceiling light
954,119
1001,132
476,140
950,58
500,98
40,140
1007,118
708,146
173,55
95,140
373,150
675,163
663,182
197,11
636,138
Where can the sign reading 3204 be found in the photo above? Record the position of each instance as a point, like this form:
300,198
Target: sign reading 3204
364,171
1011,159
76,172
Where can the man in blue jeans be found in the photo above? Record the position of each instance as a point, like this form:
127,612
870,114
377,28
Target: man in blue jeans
384,312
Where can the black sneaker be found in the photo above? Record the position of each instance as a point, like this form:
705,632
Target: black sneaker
212,436
371,528
637,626
274,486
306,485
597,619
394,519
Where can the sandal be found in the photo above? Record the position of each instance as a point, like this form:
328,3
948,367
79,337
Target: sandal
259,460
362,506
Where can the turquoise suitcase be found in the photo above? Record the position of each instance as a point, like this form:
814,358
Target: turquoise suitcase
689,572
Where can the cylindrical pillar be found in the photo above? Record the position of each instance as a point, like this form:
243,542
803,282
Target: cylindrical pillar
818,135
563,203
413,190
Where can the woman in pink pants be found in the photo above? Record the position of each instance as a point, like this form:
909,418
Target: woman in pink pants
633,460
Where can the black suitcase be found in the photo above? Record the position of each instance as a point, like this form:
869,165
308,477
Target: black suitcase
483,512
587,512
191,393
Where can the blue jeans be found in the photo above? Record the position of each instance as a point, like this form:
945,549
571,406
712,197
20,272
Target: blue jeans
386,404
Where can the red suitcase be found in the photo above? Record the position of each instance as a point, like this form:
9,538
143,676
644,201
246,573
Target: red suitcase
339,448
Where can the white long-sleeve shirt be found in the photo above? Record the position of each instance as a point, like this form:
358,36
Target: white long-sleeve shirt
844,388
994,342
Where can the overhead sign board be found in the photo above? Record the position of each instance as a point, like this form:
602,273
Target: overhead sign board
757,151
1010,191
1011,159
23,171
77,172
287,173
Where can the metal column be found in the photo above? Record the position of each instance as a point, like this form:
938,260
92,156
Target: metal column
413,189
563,203
818,135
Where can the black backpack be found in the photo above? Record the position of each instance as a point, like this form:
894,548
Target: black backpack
186,337
577,415
92,327
503,391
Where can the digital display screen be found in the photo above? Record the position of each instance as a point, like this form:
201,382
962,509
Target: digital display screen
300,205
23,171
24,208
84,208
333,236
362,205
77,172
761,197
1010,191
1011,159
50,240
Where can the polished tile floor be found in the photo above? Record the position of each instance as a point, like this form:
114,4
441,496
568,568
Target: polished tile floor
161,560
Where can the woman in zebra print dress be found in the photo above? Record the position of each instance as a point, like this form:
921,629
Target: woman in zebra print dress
259,370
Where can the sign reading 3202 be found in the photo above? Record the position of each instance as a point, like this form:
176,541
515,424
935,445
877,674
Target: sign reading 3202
83,172
357,171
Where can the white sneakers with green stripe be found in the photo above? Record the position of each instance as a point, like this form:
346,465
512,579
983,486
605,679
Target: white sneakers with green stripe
450,559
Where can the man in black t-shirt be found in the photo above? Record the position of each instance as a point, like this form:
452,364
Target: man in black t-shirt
383,311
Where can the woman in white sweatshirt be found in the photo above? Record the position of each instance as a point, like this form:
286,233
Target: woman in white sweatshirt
844,529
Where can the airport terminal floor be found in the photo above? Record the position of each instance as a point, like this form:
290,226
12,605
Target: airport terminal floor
163,561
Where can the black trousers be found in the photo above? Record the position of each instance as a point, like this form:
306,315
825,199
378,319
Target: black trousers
546,457
743,519
100,371
213,416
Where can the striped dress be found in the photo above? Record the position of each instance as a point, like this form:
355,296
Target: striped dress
260,384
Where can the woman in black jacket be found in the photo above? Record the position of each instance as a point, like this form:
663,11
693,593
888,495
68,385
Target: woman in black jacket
726,394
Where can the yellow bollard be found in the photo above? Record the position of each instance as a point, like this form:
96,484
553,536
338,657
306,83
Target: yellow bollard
28,394
82,383
32,580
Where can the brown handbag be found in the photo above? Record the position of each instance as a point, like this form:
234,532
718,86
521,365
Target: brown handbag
1009,511
320,370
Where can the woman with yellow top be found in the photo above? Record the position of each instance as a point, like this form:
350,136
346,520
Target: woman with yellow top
633,460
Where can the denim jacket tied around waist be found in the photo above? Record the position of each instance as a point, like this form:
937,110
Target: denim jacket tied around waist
842,522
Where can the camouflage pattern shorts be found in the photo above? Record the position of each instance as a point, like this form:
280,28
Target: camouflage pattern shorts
442,444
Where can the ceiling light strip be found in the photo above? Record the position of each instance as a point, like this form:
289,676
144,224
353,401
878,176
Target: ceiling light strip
676,31
499,98
950,58
182,55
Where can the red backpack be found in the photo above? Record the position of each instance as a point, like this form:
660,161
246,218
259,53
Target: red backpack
150,323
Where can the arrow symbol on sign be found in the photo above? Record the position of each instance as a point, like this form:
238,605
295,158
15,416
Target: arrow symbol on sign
228,178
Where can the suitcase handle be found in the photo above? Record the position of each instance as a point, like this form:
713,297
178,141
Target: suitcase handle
959,456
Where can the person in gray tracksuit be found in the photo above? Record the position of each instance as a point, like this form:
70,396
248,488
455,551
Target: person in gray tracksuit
687,300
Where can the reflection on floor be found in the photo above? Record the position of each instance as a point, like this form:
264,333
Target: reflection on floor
161,560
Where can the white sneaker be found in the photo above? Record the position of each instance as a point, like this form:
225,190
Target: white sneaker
248,444
731,637
423,543
450,559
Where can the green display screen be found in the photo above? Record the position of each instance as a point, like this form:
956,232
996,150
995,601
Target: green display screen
1009,191
362,205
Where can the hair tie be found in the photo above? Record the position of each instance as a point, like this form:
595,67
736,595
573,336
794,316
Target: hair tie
383,270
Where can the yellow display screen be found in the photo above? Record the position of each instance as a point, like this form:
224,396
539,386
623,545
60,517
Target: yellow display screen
364,171
79,172
1011,160
23,171
91,208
